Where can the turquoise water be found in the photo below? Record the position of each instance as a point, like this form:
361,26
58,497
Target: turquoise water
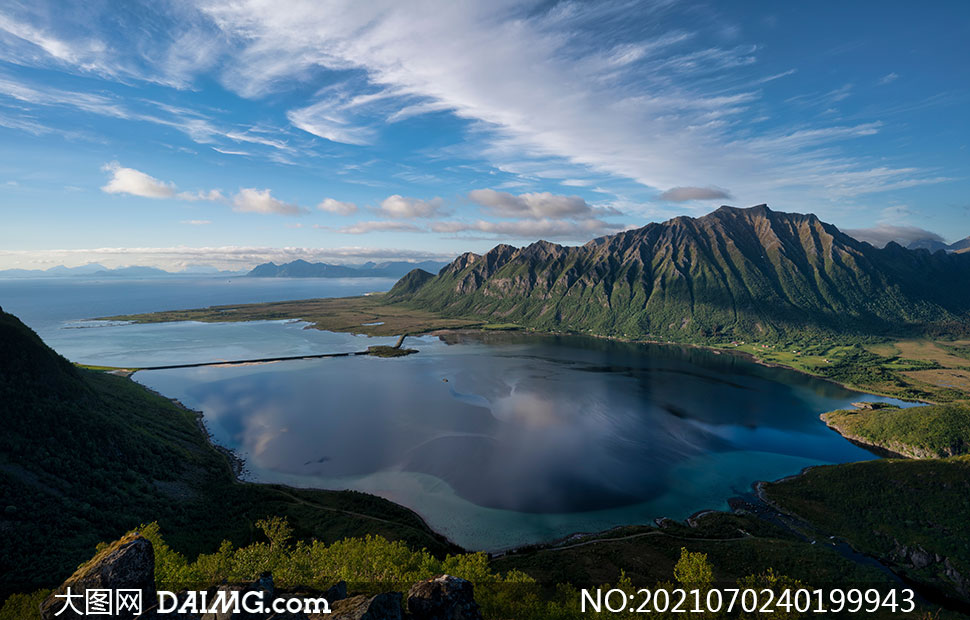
497,441
524,439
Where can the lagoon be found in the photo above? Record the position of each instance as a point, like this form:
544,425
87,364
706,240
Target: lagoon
505,440
496,439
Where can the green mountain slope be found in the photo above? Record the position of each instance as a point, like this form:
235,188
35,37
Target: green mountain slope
735,272
86,456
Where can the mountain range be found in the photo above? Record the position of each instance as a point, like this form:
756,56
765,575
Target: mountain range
304,269
97,270
935,245
732,273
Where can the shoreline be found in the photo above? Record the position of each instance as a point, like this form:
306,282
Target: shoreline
237,468
693,345
879,449
237,463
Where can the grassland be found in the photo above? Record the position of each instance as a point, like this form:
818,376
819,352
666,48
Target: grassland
915,432
359,315
737,545
386,351
936,371
918,370
912,514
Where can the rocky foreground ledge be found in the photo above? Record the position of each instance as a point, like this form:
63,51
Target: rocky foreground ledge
129,564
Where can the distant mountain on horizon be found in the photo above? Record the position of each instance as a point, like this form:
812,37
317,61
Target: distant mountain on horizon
935,245
98,270
734,273
304,269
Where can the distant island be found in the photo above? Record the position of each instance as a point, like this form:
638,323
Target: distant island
304,269
293,269
97,270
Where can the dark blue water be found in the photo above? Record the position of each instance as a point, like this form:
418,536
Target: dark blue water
45,303
497,440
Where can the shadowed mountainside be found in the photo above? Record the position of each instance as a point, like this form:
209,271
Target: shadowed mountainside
86,456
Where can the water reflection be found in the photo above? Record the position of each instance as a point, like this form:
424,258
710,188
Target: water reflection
508,439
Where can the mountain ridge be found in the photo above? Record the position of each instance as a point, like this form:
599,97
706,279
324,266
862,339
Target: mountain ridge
734,272
935,245
303,269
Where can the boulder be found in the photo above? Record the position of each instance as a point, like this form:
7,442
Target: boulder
127,564
443,598
386,606
264,584
336,592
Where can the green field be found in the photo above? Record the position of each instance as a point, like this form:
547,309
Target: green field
343,314
915,432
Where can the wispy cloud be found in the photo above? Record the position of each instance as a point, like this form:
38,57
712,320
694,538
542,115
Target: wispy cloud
536,205
428,59
683,194
888,78
196,126
212,195
196,222
361,228
667,106
326,120
223,257
532,229
882,234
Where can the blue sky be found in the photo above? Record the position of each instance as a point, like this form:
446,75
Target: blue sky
229,133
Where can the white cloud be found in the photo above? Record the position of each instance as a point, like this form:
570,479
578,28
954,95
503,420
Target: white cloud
657,105
247,200
252,200
325,120
578,230
402,207
137,183
198,127
683,194
888,78
134,182
882,234
221,257
535,205
171,53
196,222
335,206
212,195
654,110
229,151
361,228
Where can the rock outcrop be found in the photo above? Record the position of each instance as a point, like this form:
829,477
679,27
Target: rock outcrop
443,598
127,564
386,606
